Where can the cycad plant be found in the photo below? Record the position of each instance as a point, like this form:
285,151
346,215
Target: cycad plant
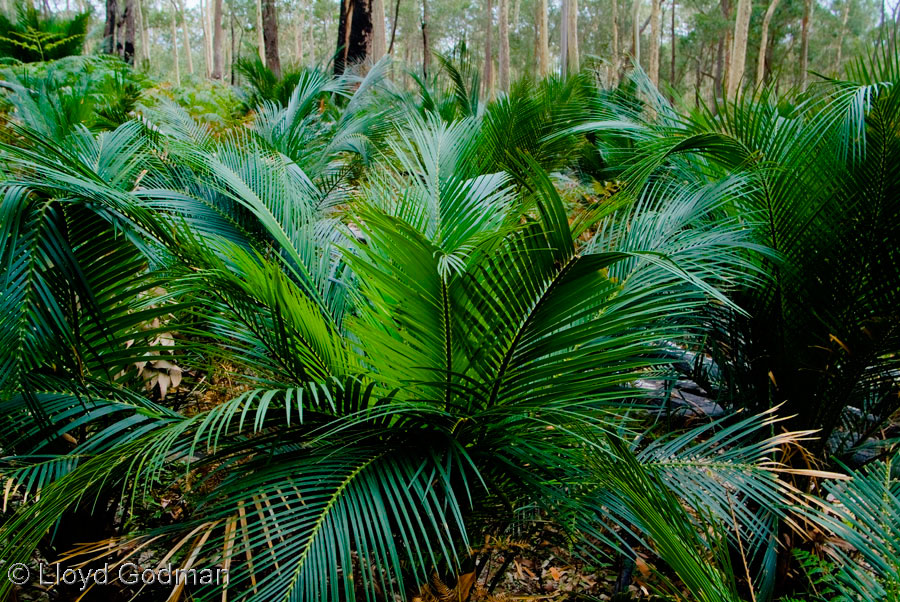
422,345
823,167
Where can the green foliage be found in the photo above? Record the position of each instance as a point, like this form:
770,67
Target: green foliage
33,37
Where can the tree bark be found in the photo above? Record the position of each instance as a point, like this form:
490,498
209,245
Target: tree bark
563,37
379,48
574,62
187,38
543,38
394,26
764,42
672,65
260,36
109,30
270,36
635,32
207,54
218,40
488,52
426,48
804,44
298,34
504,46
175,44
739,51
653,67
355,34
127,50
840,42
142,58
614,66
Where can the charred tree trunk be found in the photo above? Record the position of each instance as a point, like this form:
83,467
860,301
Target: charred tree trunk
354,34
426,49
270,36
127,50
109,30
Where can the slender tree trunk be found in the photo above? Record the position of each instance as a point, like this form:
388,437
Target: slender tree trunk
270,36
128,39
207,55
394,26
636,32
804,44
504,46
543,38
488,52
653,67
142,58
426,47
175,44
574,62
563,37
109,30
739,52
840,41
672,64
614,66
298,33
378,49
187,38
210,9
260,36
218,40
720,60
231,55
764,42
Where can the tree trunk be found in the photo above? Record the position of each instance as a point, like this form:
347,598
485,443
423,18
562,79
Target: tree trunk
764,42
207,55
355,31
653,67
488,53
128,41
804,44
504,46
635,32
574,62
175,45
231,55
260,36
739,51
563,37
187,39
109,30
270,36
840,42
672,65
218,39
717,78
142,58
298,34
426,48
379,49
394,26
543,38
614,66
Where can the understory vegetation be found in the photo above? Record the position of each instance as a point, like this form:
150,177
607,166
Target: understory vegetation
350,341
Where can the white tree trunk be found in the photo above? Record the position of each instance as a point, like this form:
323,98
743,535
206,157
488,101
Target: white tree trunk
260,39
739,50
574,62
653,67
764,42
636,31
175,44
187,38
543,39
